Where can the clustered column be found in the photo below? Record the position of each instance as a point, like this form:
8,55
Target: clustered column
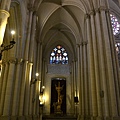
101,63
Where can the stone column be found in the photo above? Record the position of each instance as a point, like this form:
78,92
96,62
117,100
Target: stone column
40,63
32,38
78,80
9,88
86,88
27,47
25,64
3,21
5,4
114,59
2,71
82,79
27,88
3,88
22,88
103,90
91,72
72,86
16,91
109,64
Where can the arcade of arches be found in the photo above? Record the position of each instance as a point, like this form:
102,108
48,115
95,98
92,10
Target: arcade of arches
65,60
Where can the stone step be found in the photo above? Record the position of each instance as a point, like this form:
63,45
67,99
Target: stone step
59,117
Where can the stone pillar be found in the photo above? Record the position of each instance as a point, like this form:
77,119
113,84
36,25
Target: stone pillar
32,38
2,70
91,72
72,86
109,64
9,88
3,21
103,90
26,66
86,88
114,59
82,79
22,89
78,80
27,47
16,91
5,4
3,88
27,88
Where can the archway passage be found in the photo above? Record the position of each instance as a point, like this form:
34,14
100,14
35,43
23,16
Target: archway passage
58,96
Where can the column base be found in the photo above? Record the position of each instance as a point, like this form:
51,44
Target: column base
4,117
97,118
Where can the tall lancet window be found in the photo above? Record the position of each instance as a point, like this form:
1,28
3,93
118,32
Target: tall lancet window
116,30
115,24
59,55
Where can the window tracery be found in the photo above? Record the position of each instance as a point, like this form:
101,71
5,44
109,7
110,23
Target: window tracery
59,55
115,24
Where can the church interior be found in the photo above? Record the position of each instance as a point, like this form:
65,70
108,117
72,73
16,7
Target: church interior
59,59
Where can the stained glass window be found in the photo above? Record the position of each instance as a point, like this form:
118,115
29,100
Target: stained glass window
59,55
115,24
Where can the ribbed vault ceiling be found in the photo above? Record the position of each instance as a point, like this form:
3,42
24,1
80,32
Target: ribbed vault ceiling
62,22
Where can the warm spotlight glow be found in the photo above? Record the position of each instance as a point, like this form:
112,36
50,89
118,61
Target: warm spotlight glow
43,87
37,74
12,32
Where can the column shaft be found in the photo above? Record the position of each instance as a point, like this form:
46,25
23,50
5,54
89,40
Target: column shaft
28,36
102,66
9,88
91,75
3,21
32,38
109,66
16,91
78,80
4,88
95,83
82,80
22,89
27,88
85,79
114,60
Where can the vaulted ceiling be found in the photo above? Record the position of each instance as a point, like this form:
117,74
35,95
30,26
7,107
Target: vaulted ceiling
62,22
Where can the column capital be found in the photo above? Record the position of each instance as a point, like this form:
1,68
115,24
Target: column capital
78,45
4,12
87,16
13,61
19,61
30,7
103,8
92,12
97,10
85,42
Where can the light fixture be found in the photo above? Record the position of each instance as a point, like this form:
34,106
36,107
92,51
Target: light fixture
76,100
41,99
37,74
7,47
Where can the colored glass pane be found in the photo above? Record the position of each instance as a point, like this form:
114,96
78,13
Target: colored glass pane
59,55
115,24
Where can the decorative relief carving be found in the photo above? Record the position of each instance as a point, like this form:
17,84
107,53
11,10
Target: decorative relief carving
87,16
84,43
13,61
59,69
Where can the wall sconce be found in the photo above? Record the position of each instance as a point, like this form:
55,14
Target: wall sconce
7,47
41,99
33,81
76,100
